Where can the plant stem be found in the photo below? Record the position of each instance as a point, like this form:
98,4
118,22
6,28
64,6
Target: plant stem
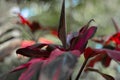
81,70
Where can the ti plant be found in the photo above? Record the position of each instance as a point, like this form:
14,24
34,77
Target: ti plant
57,62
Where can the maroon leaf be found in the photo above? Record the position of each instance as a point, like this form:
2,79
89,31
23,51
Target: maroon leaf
20,67
91,31
80,42
26,65
33,53
89,53
104,55
35,26
60,68
104,58
62,27
114,54
32,25
106,76
32,71
92,62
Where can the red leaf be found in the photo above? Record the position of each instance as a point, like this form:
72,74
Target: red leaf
80,42
106,76
104,55
26,65
82,39
35,26
59,66
54,32
114,54
62,28
34,51
32,70
104,58
23,20
92,62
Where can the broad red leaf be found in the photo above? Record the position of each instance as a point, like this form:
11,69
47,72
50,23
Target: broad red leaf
103,55
80,42
103,58
26,65
106,76
32,71
62,27
113,54
60,67
34,51
92,62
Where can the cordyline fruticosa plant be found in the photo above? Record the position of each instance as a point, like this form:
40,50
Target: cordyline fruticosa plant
57,62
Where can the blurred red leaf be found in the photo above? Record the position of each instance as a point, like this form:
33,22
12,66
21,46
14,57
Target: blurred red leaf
32,25
23,20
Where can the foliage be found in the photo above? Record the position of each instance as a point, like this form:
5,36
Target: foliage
57,62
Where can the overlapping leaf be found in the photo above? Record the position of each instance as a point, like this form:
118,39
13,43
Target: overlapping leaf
81,40
104,55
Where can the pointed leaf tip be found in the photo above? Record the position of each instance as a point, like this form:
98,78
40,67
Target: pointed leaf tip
62,27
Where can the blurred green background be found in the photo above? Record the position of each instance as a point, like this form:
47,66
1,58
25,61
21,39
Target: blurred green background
47,13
